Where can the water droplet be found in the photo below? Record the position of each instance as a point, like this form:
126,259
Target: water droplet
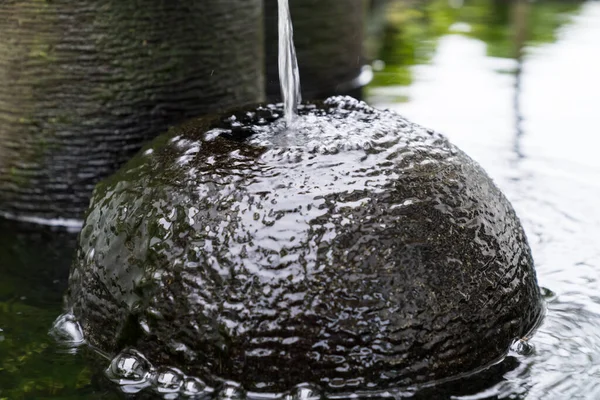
131,370
89,257
168,380
144,325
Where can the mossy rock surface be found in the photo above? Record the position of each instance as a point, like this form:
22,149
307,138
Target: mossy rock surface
355,251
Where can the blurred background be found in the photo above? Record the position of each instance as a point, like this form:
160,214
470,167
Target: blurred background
515,84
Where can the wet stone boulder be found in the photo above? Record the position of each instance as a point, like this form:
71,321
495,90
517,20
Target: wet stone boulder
353,250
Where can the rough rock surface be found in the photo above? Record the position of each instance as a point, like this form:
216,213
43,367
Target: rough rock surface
84,84
355,250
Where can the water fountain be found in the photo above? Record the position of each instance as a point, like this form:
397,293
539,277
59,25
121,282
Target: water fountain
346,249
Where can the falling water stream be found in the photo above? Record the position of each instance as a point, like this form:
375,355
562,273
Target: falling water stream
289,77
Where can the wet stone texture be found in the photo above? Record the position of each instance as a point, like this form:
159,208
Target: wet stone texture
84,84
354,251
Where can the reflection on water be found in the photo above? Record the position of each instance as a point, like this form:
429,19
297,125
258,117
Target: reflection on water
521,100
34,265
514,85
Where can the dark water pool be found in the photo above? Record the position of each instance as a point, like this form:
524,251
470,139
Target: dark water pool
517,86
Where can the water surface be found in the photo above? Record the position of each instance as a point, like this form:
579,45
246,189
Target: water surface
522,102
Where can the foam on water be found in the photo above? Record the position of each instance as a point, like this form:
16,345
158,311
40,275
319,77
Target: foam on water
340,123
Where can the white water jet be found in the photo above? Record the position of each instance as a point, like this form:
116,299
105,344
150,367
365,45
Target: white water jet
289,76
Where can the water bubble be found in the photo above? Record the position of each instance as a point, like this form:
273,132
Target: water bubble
131,370
66,330
231,391
523,347
194,386
304,392
168,380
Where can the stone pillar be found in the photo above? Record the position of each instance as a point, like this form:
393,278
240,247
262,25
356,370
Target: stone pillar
83,84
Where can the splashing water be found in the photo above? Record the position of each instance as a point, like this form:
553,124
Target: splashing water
289,76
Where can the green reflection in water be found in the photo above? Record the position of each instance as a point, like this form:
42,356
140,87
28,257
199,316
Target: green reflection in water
29,363
413,30
33,269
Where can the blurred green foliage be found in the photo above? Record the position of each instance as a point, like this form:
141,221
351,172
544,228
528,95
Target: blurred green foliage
413,29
